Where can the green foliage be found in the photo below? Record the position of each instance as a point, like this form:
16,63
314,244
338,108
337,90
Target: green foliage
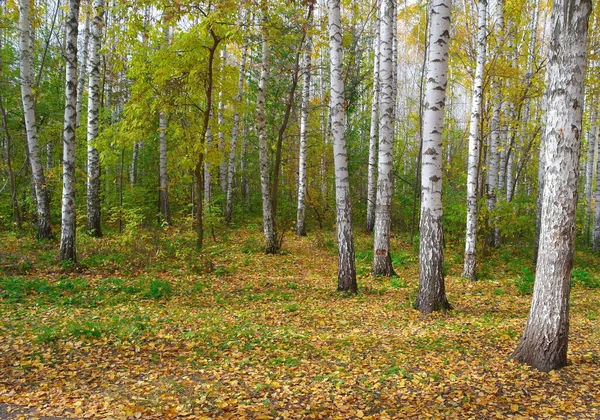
159,289
524,283
582,277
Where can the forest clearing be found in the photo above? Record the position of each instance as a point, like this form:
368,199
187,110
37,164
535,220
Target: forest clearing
136,331
299,209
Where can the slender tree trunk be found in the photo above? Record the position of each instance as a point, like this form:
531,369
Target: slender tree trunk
382,260
234,133
68,228
83,68
373,132
346,265
596,223
474,145
545,339
94,101
300,222
221,130
26,68
589,173
203,138
244,166
432,291
492,170
163,187
207,174
271,246
133,169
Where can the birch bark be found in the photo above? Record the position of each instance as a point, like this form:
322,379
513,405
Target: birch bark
234,133
265,183
93,158
68,226
589,173
373,132
382,261
28,99
474,146
432,291
83,68
300,222
545,339
163,179
346,265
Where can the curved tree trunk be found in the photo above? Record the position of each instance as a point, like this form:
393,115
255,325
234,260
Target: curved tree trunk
373,133
545,339
346,265
300,222
268,222
382,261
26,68
474,145
93,158
432,291
68,226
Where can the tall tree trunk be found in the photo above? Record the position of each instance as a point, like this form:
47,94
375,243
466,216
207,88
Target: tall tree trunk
234,132
346,265
432,290
133,169
474,145
382,260
271,245
492,172
26,68
373,132
207,174
589,173
83,67
300,214
94,101
163,180
596,223
545,339
199,170
244,166
69,221
221,130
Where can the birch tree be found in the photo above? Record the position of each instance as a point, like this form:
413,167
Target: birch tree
221,121
432,291
589,172
373,131
235,130
596,222
93,158
346,265
68,226
545,339
300,222
163,179
382,260
28,99
265,183
474,145
83,67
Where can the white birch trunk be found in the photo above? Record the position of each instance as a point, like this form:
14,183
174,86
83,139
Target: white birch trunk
207,174
265,183
596,223
234,135
589,173
492,170
93,158
163,180
545,339
432,291
301,210
68,226
37,171
83,68
134,160
346,265
382,261
373,132
221,130
474,146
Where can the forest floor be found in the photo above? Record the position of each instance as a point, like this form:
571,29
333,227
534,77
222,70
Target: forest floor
149,327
